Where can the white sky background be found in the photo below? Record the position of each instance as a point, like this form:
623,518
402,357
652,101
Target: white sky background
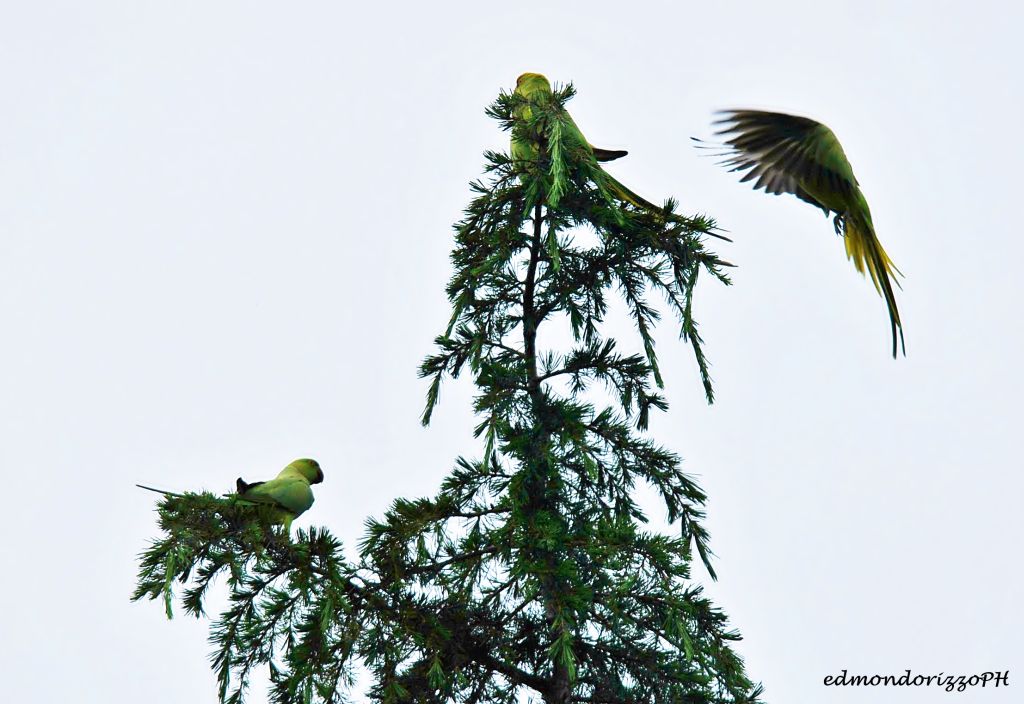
224,237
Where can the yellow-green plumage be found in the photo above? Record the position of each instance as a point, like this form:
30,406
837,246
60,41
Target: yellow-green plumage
289,492
791,154
534,87
288,495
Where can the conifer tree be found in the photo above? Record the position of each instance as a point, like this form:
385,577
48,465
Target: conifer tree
529,576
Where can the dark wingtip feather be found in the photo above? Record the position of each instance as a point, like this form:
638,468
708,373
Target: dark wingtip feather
608,154
731,113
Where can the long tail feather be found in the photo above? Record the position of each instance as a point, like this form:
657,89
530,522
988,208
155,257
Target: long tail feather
160,491
629,196
863,247
620,191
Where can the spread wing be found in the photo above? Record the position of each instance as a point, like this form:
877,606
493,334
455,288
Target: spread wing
788,154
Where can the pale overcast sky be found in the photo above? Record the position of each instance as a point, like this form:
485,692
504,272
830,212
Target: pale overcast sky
224,238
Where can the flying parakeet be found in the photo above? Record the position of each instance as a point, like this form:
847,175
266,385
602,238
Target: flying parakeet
289,493
533,86
790,154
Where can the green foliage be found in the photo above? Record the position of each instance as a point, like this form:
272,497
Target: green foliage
529,573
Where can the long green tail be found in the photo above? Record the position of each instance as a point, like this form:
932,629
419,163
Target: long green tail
616,187
863,247
620,191
160,491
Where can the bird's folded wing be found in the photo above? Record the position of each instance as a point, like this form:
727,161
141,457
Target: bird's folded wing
291,493
608,154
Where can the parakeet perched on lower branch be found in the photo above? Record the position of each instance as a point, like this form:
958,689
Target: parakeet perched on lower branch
288,494
289,491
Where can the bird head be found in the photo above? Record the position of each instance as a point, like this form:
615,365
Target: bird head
310,469
530,83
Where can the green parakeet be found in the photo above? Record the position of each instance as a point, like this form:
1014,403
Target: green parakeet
790,154
289,493
533,87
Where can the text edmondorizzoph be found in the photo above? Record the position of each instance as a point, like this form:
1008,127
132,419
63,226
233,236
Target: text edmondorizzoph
948,682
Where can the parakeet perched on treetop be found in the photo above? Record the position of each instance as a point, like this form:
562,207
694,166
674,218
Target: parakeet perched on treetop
534,86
